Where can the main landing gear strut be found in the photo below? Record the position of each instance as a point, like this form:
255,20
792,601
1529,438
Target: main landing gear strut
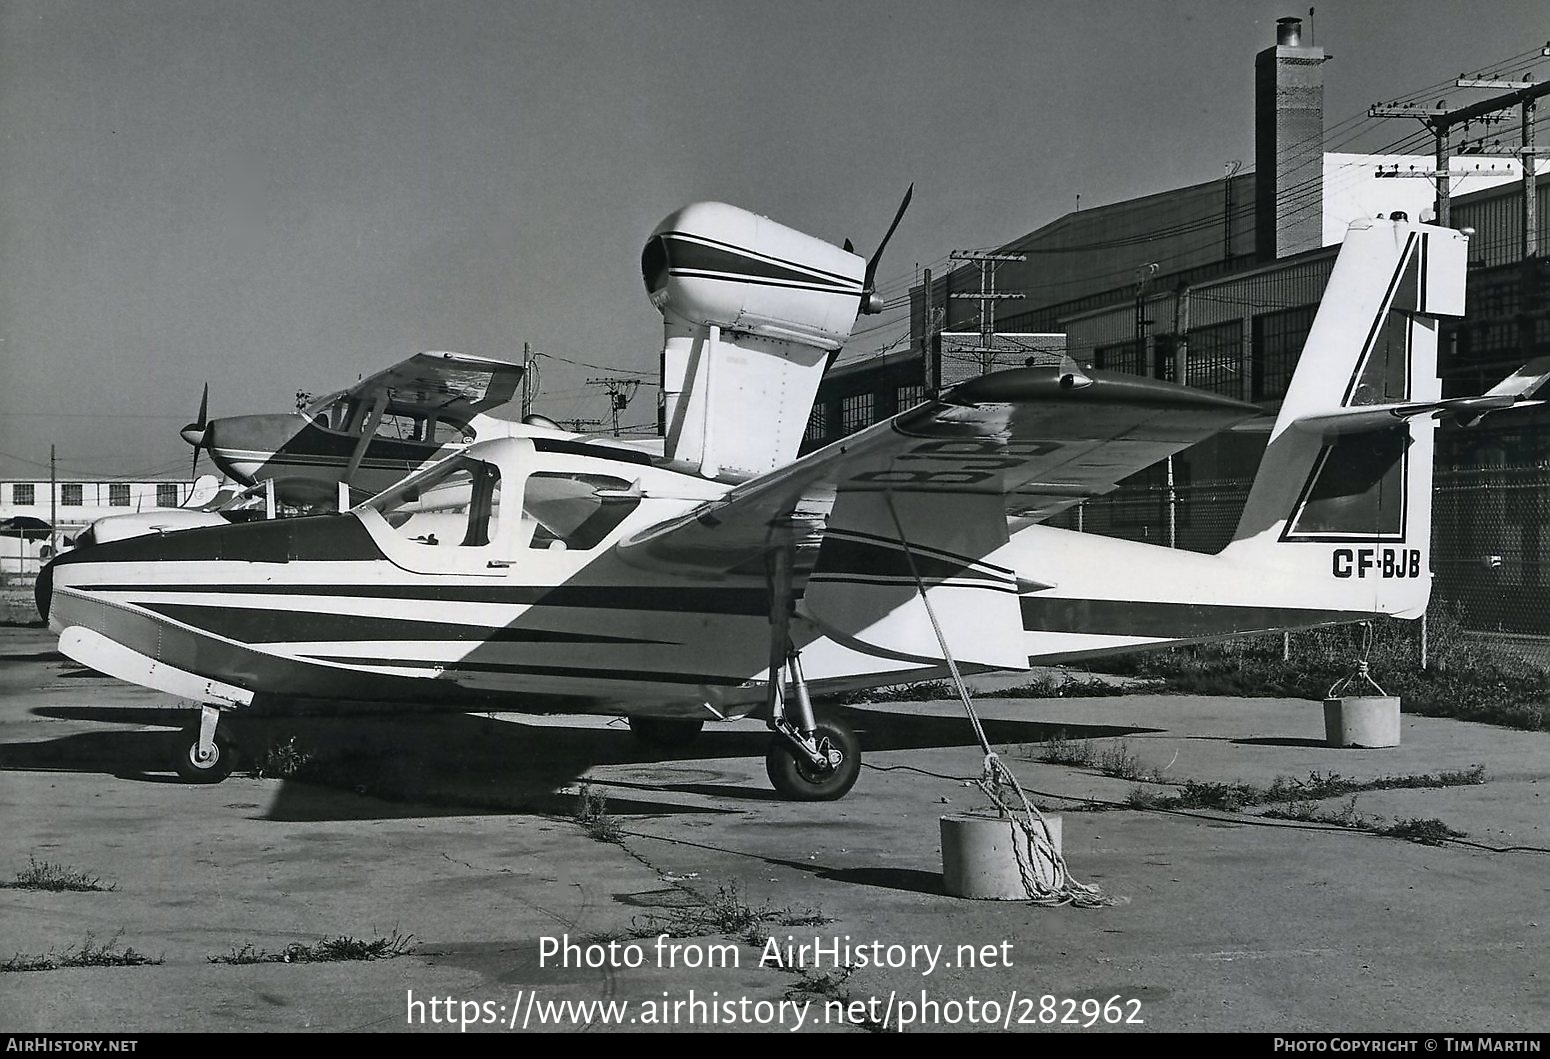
810,759
202,753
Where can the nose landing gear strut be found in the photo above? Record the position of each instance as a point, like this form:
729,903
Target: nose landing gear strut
810,759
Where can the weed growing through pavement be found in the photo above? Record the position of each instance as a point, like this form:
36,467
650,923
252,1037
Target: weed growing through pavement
340,949
45,875
87,954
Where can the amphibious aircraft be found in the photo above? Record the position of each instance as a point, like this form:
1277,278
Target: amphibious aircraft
726,577
368,435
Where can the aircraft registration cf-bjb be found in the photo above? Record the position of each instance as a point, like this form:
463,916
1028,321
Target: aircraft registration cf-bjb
726,577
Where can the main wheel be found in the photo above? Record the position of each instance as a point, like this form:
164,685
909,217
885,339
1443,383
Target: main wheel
670,732
188,764
802,781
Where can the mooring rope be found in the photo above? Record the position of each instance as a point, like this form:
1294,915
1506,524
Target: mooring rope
1053,885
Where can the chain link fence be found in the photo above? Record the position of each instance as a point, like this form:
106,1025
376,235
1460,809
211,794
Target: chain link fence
1490,541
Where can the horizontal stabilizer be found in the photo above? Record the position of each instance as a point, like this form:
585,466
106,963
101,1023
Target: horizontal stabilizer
1517,390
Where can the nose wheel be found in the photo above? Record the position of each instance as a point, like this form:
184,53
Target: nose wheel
796,775
201,753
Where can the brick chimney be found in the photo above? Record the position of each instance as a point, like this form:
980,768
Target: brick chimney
1288,145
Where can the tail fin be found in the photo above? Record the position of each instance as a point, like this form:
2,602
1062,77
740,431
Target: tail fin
1351,509
752,312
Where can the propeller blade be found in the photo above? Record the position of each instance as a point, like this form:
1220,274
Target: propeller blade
197,432
870,282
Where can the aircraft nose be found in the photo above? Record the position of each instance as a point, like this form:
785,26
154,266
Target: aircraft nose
43,590
195,434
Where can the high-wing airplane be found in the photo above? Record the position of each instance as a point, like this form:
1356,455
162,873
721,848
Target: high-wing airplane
369,435
725,578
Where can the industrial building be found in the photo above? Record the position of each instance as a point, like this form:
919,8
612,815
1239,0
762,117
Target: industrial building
1216,285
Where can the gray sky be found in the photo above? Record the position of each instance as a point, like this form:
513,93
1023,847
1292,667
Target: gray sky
272,196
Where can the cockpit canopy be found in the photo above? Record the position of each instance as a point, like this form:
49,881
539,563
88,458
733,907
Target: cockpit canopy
466,502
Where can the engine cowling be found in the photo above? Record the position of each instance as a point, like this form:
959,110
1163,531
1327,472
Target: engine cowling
715,265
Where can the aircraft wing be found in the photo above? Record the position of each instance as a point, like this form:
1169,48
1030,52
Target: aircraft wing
1042,439
429,382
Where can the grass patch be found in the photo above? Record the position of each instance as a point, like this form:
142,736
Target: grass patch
1465,679
87,954
1231,797
1070,687
724,913
1116,760
46,875
281,761
1428,832
593,816
920,691
340,949
1058,750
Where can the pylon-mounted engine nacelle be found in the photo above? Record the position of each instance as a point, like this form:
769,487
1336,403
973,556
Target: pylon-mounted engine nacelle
715,265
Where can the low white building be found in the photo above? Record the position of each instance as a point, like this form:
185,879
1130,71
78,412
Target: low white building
74,504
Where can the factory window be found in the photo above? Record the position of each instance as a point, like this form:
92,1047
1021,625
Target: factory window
1278,340
1216,358
910,396
816,428
70,494
23,495
855,412
1120,356
166,494
118,494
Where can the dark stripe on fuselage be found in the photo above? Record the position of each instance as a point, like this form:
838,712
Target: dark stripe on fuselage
920,549
320,538
643,676
1170,621
729,601
841,555
256,625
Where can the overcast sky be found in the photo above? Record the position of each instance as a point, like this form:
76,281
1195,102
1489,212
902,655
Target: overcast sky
272,196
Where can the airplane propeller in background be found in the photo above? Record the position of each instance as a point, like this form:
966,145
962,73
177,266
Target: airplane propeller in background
197,432
871,302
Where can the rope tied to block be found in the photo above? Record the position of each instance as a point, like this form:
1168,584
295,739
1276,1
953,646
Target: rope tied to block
1045,877
1362,671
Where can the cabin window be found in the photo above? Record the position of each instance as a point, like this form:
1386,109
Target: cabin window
455,506
576,511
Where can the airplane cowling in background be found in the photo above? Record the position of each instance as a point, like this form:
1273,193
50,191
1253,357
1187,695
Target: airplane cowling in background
711,264
752,313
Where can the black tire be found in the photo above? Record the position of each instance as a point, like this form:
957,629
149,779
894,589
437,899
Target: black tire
799,780
191,769
668,732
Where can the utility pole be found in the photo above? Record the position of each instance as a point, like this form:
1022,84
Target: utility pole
53,500
527,380
987,297
1441,121
1231,168
620,392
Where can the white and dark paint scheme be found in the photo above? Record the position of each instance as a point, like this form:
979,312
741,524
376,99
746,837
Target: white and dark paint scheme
718,580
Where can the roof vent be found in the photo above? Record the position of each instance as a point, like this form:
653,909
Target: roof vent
1289,32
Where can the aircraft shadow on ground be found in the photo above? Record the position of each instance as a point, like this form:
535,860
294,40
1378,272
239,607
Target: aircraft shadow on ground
436,764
